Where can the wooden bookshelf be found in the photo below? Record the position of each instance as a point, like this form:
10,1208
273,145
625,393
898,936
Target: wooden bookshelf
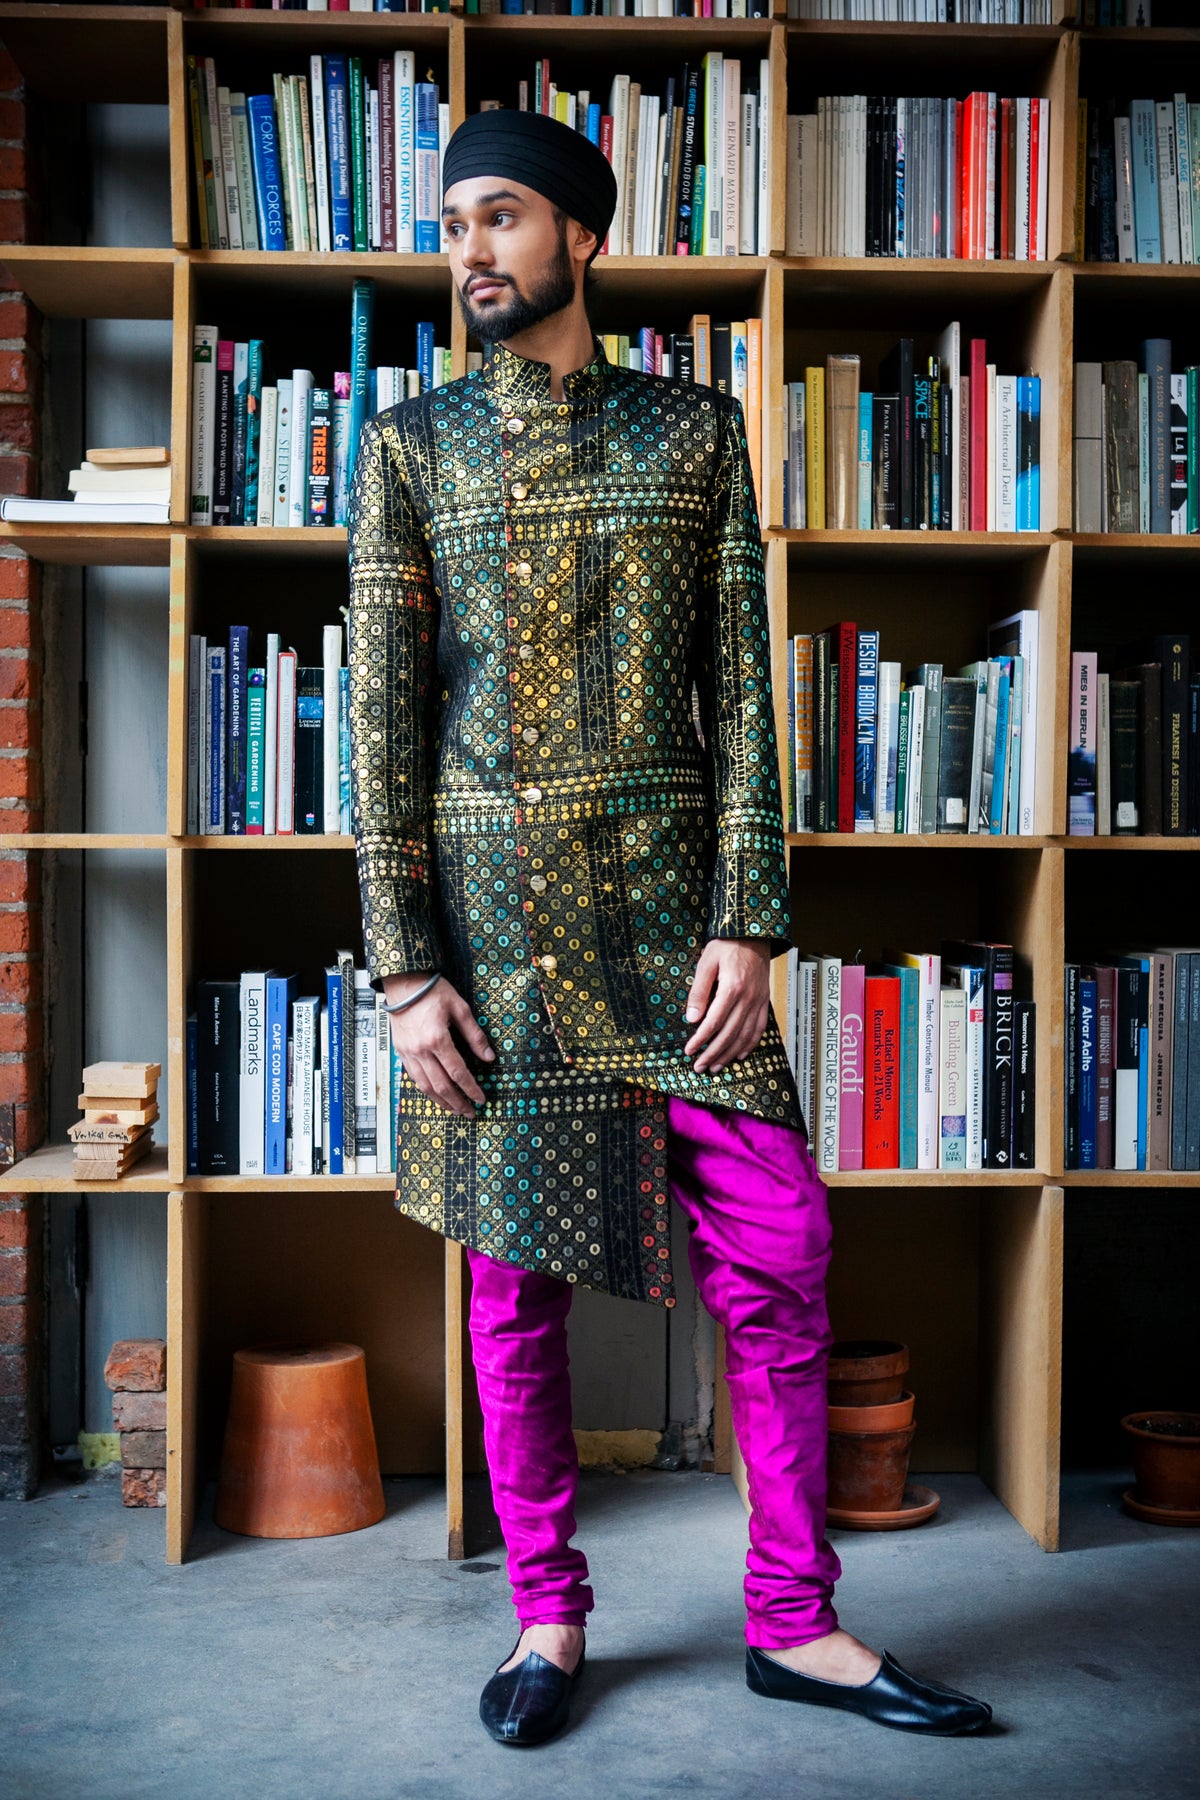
984,1305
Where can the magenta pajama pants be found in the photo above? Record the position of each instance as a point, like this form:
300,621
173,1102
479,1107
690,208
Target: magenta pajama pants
759,1245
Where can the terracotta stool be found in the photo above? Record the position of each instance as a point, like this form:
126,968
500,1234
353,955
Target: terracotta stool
299,1457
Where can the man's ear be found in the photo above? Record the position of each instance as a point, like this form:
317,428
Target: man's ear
582,242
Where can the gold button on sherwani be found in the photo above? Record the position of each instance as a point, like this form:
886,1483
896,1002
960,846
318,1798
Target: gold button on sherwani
562,832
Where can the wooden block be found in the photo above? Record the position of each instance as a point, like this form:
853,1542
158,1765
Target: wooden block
139,1364
117,1103
106,1149
119,1115
129,1080
145,456
106,1168
84,1132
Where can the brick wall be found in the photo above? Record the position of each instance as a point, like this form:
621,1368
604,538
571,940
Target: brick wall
22,1016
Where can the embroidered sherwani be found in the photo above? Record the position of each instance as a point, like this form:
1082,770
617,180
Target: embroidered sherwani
565,782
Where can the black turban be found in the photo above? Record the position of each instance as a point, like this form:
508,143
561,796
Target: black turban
541,153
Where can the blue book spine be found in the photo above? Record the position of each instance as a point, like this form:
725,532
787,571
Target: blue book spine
333,1074
1086,1076
866,410
646,346
512,6
216,741
1143,129
1000,762
425,354
268,185
281,991
193,1099
1016,701
236,729
1029,453
362,306
337,130
593,120
253,429
909,1070
866,704
426,192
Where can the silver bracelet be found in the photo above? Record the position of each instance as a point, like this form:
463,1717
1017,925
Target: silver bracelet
413,998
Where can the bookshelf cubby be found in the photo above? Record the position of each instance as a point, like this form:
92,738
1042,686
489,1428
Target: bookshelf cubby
970,1273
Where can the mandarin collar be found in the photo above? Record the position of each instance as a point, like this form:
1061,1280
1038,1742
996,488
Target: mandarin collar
522,378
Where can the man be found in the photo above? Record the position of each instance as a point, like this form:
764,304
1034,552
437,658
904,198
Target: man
572,887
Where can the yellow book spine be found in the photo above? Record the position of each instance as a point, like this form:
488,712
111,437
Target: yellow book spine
814,444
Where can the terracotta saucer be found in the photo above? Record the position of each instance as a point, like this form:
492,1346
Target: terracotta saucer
1159,1515
919,1503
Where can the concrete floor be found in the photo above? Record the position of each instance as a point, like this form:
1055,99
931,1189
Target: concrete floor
349,1668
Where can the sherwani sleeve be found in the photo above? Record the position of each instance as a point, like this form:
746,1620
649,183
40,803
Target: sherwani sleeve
393,619
749,895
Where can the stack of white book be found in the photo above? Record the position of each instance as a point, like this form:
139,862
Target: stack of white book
110,487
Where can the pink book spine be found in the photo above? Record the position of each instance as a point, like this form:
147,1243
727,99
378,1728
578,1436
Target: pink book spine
850,1142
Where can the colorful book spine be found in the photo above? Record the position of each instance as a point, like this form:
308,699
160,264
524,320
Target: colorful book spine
362,309
256,720
268,181
236,729
281,992
865,706
881,1103
952,1079
426,193
850,1104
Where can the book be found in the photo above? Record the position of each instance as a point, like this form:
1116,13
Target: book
851,1066
218,1041
881,1099
952,1079
280,994
1081,746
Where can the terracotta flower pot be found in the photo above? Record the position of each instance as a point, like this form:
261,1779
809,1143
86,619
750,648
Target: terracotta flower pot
888,1415
866,1371
1165,1447
298,1458
867,1469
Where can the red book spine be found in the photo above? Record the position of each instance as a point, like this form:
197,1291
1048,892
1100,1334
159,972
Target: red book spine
847,642
1034,152
1003,241
546,85
979,443
881,1098
965,116
979,212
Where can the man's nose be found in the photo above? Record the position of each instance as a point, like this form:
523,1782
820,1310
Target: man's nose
475,246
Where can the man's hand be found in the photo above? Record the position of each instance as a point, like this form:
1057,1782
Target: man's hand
730,996
421,1034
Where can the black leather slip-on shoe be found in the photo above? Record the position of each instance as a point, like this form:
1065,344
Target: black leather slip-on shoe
528,1704
892,1696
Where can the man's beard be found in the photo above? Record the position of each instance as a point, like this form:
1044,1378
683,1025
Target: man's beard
553,292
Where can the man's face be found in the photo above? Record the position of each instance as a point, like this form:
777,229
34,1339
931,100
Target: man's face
509,256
